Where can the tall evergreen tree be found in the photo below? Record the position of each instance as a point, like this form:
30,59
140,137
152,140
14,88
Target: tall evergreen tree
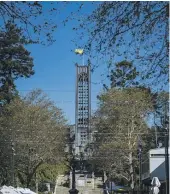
124,75
15,61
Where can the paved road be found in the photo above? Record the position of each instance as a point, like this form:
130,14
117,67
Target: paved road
83,190
64,190
90,191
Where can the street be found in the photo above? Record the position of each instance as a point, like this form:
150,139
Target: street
86,189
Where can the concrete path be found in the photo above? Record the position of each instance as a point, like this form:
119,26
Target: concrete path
83,190
87,189
62,190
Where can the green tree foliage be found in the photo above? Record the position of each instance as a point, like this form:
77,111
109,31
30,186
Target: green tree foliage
35,19
49,172
124,75
36,127
161,116
120,121
131,30
161,105
15,61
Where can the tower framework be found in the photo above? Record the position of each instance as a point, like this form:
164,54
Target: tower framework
83,105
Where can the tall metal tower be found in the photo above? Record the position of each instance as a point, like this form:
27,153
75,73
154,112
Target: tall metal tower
83,105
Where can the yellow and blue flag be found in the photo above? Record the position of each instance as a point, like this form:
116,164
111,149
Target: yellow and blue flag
79,51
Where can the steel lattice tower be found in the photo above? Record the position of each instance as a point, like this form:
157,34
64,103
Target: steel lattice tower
83,105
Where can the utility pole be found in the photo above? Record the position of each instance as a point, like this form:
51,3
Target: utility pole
36,182
71,152
12,165
140,164
73,190
165,122
167,159
140,173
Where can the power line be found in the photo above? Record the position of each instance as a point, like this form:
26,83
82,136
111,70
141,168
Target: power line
53,90
59,142
97,133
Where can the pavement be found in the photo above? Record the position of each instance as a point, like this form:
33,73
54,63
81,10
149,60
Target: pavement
64,190
87,189
90,191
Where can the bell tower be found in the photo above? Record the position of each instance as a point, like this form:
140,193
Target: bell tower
83,105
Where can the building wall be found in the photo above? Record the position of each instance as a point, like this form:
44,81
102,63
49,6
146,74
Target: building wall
157,163
154,166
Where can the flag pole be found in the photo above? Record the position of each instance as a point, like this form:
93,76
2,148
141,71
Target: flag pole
83,59
80,52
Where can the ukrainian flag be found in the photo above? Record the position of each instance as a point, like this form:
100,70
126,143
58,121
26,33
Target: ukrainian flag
79,51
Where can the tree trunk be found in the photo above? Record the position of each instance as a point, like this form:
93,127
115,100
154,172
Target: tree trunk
93,184
17,181
28,180
36,183
132,181
56,185
28,183
104,176
70,186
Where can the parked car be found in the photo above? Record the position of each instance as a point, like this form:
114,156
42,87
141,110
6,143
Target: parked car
111,188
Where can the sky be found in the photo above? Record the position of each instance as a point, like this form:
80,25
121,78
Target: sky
55,71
